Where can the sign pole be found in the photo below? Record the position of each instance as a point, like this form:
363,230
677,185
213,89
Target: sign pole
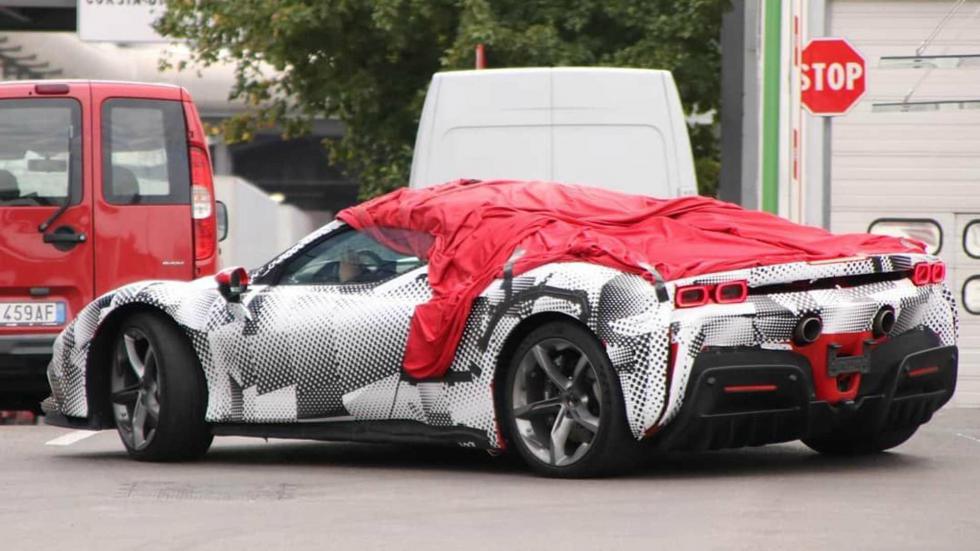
832,81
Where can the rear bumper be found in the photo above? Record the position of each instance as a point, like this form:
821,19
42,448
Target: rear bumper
750,396
23,365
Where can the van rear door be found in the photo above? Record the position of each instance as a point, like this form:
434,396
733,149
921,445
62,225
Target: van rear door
143,193
612,128
473,126
45,276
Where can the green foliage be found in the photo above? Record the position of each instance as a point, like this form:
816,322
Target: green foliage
368,63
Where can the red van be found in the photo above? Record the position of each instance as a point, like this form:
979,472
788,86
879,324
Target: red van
101,184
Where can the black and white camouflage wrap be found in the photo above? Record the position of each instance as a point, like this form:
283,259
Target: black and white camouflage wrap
305,353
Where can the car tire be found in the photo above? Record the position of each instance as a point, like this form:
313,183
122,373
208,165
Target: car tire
860,443
535,408
157,391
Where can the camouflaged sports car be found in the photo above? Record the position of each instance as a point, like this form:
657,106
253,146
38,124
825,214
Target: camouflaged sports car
577,365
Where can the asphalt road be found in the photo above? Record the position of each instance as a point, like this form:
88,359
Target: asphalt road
253,494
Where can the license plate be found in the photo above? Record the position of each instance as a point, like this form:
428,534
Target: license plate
840,365
16,314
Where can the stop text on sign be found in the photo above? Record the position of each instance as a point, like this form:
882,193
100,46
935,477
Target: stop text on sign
832,76
835,76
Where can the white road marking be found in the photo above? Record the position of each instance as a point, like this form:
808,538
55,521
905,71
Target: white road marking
71,438
968,437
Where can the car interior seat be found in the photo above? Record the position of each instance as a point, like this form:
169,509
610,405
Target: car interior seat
9,187
125,186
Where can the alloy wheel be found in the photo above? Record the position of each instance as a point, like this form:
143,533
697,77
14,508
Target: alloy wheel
556,402
135,388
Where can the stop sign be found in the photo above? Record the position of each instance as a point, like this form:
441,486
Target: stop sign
831,77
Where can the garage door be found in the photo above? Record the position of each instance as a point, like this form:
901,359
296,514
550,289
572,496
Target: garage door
915,170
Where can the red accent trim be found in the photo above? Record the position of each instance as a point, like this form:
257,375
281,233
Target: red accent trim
701,295
501,441
735,389
743,292
922,371
937,273
921,274
671,360
234,277
828,388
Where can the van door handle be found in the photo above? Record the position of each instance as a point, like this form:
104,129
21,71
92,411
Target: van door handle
63,236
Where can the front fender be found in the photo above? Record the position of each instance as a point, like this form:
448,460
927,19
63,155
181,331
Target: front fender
68,371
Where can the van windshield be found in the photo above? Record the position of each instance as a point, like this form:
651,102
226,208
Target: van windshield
39,141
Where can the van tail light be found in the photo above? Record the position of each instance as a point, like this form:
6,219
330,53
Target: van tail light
202,205
925,273
691,296
731,292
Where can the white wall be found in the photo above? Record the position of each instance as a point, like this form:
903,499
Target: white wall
258,227
925,164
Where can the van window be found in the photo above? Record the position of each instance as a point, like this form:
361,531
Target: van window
40,151
144,152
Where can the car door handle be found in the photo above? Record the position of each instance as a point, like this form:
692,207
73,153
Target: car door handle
64,238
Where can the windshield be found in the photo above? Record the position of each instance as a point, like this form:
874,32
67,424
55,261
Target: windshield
38,140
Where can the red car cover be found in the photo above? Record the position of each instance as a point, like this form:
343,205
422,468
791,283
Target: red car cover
476,227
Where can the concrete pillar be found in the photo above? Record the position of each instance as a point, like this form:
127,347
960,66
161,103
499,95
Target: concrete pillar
221,158
740,102
817,135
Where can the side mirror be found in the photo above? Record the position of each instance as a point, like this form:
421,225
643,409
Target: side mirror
232,283
222,220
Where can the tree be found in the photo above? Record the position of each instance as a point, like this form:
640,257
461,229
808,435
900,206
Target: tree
368,63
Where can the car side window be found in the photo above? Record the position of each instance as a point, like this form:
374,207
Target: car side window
348,257
144,147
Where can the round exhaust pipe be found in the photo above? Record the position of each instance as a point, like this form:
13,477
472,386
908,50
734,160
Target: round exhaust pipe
883,322
807,330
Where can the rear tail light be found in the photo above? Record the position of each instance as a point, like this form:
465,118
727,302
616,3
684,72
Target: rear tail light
201,202
691,296
925,273
921,273
202,205
729,292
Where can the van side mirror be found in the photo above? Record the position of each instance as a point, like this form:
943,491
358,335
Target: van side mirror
222,220
232,283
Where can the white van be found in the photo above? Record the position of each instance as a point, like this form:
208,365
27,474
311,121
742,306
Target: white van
620,129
